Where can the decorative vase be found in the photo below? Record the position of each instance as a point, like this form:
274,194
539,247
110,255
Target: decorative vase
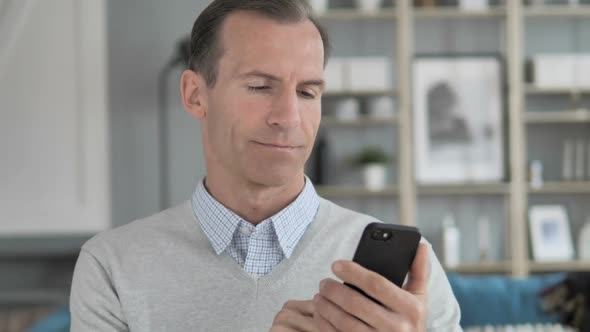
382,107
347,109
368,6
319,6
374,176
473,5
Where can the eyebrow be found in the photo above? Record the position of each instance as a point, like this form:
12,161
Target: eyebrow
319,82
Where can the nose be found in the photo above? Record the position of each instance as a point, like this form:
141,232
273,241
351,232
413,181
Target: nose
285,111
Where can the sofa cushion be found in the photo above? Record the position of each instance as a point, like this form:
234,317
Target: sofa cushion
501,300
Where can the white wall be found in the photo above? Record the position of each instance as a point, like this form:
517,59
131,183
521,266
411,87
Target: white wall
54,167
142,37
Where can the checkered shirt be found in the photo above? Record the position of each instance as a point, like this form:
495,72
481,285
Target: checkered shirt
257,249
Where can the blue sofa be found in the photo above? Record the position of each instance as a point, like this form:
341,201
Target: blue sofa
501,300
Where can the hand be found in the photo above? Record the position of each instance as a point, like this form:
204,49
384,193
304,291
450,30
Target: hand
295,316
341,308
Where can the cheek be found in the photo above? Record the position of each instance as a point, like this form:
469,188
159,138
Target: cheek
219,125
311,121
232,122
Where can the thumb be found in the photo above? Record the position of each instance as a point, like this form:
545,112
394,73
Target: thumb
418,278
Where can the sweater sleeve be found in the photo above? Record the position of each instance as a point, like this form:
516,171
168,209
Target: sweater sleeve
443,310
94,303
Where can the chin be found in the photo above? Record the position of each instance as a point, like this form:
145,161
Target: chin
274,177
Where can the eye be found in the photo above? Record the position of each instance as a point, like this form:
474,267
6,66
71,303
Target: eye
306,94
258,88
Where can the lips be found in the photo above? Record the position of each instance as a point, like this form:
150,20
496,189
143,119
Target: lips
279,146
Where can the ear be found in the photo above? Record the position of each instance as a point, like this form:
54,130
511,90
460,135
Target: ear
193,90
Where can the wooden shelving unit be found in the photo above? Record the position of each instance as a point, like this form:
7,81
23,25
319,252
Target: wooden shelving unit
481,268
360,94
512,18
354,14
536,267
466,189
579,187
328,121
345,191
557,11
579,116
453,12
533,90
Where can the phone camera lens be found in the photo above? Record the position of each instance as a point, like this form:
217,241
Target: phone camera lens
377,235
381,235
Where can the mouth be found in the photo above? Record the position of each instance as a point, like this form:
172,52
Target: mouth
279,147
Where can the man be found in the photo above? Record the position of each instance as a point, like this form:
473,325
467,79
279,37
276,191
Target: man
255,248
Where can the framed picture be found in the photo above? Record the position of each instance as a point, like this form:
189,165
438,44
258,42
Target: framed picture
551,239
458,119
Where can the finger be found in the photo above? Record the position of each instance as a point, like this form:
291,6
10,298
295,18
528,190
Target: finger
293,320
304,307
338,318
281,329
354,303
419,274
375,285
322,324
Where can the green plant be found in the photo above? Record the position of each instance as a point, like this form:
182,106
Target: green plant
371,155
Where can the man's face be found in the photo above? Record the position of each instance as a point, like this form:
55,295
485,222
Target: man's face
264,111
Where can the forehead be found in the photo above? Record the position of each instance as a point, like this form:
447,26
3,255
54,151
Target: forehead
250,39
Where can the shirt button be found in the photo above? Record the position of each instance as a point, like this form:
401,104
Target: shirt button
245,231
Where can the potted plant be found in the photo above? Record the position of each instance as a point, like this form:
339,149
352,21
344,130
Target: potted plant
373,162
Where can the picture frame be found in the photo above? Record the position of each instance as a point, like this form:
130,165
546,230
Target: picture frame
551,239
458,118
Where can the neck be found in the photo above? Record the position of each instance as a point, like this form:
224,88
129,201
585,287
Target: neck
253,202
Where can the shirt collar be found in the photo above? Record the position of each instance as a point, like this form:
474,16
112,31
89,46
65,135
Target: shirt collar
291,223
220,223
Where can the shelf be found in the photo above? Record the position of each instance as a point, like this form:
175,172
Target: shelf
572,91
354,14
557,11
360,94
330,121
346,191
579,116
444,12
47,246
573,266
572,187
39,296
465,189
481,268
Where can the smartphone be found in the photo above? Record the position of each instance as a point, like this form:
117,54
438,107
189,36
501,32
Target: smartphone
388,250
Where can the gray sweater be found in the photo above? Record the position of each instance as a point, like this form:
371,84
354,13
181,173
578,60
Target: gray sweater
161,274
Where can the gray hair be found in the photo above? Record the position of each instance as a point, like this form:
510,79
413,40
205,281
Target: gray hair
205,48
